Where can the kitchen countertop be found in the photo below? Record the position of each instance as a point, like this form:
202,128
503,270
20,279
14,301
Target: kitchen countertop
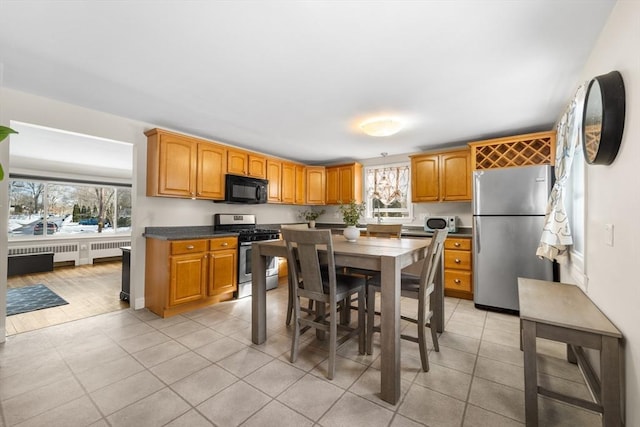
407,231
183,233
207,231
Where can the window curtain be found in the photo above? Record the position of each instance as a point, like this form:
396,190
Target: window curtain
556,233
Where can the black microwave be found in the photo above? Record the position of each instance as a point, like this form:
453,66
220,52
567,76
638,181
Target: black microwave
244,189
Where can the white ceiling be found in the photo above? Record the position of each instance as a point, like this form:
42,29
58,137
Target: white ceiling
293,78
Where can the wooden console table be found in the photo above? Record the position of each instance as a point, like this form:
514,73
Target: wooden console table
562,312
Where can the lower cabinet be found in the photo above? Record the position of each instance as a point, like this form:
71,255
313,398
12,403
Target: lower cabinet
182,275
457,268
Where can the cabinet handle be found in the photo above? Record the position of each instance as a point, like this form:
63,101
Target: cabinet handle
190,247
456,244
457,261
225,244
457,281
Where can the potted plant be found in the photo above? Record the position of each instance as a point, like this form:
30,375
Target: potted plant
351,213
4,132
310,216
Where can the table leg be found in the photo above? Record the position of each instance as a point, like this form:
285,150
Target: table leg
390,330
610,383
530,373
258,297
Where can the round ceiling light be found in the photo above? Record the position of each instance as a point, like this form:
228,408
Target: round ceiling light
381,126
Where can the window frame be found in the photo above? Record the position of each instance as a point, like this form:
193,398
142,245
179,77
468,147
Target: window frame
369,214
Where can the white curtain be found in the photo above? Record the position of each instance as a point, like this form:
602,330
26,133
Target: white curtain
556,234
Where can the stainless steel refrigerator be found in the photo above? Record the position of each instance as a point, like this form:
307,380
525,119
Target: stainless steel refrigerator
508,215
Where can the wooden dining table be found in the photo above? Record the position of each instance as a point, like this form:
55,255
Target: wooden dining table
389,257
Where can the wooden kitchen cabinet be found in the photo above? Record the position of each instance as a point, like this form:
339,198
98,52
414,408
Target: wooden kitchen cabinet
288,183
183,275
441,177
300,185
223,262
315,185
274,175
183,166
457,268
344,183
240,162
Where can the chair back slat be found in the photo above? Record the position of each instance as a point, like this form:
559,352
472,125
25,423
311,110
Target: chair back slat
302,253
431,261
384,230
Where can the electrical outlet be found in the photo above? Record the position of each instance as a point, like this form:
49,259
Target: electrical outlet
608,234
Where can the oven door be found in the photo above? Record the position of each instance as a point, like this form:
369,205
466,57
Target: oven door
244,263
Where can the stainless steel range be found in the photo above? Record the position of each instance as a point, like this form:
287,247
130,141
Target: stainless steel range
248,233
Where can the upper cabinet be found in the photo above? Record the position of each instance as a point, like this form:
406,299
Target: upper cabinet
274,175
288,183
344,183
240,162
444,176
182,166
300,185
315,185
512,151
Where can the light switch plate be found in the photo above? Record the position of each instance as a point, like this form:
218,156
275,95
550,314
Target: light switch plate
608,234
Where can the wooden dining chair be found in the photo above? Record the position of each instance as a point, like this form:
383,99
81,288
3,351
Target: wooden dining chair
384,230
416,287
309,307
325,287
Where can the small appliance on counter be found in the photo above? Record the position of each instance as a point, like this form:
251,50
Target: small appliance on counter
433,223
245,226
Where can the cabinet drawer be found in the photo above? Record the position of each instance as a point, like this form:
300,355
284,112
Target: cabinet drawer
223,243
188,246
458,243
458,280
459,260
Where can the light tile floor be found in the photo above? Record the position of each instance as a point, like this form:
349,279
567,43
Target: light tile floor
132,368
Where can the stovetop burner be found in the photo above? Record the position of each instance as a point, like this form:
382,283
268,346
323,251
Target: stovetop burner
245,226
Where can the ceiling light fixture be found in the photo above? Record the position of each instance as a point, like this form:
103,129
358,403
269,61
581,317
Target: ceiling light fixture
381,126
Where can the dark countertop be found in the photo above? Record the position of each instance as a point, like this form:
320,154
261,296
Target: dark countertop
207,231
183,233
407,231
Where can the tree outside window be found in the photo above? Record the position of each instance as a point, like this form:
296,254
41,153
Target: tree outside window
69,209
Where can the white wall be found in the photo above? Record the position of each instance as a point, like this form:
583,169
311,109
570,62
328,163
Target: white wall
147,211
613,197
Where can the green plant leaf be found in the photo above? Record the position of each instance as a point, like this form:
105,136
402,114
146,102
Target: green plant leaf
1,173
5,132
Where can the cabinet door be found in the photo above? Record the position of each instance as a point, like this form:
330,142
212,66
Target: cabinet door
300,185
257,166
188,278
212,165
424,178
350,178
222,272
455,176
315,185
177,166
333,186
288,183
274,172
237,162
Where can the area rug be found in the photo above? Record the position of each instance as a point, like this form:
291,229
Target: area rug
31,298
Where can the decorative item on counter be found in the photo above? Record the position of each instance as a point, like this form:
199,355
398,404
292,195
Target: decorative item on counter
310,216
351,215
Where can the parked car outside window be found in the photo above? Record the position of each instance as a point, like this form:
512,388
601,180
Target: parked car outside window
52,227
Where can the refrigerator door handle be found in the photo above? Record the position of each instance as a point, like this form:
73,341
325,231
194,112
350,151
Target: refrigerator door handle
476,191
477,234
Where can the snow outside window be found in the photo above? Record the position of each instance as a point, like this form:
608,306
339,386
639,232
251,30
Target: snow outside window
39,208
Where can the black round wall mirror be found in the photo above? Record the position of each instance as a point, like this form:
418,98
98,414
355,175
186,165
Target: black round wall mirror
603,118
